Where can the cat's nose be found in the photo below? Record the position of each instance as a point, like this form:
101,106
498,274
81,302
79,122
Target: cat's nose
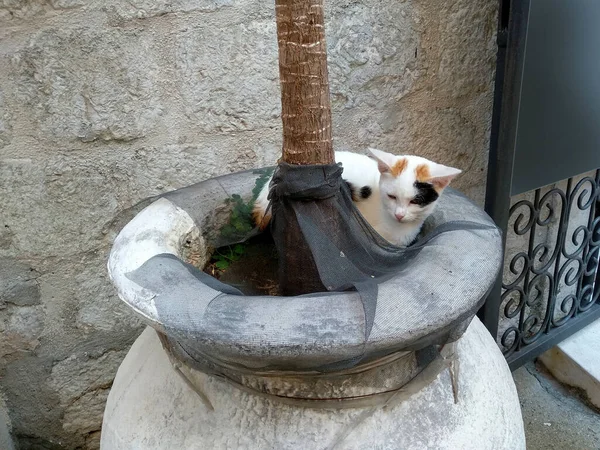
399,216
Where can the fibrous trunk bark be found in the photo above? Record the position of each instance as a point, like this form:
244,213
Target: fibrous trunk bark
305,107
306,117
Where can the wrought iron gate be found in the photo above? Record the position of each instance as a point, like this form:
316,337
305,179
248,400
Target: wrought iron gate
543,185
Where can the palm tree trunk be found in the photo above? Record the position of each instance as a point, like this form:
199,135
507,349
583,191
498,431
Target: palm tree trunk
306,117
305,107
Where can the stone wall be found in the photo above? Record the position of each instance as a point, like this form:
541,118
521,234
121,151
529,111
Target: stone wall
104,103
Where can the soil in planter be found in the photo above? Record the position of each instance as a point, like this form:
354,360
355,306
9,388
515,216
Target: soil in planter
250,267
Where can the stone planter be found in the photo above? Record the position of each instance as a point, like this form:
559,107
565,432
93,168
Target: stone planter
151,407
303,372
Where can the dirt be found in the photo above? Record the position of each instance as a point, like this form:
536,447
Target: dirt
254,272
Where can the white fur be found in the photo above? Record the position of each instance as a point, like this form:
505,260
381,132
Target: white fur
403,232
379,209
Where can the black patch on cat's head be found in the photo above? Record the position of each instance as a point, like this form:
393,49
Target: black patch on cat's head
426,194
365,192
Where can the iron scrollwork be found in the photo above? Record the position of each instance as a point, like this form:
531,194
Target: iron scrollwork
557,278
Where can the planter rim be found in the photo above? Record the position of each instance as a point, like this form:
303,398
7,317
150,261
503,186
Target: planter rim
430,301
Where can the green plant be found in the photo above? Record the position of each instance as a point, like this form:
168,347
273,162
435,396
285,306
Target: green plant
265,175
240,221
224,256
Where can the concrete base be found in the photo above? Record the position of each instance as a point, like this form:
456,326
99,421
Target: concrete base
151,407
555,419
576,361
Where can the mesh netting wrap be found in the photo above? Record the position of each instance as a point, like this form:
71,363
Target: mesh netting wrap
347,252
383,300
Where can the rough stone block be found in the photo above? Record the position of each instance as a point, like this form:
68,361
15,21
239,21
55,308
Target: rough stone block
18,10
18,284
371,53
5,126
229,80
143,9
6,442
82,84
21,317
462,71
80,374
83,416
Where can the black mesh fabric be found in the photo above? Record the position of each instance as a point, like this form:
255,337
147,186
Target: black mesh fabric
347,251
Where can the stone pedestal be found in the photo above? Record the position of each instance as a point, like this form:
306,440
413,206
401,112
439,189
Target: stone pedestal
151,407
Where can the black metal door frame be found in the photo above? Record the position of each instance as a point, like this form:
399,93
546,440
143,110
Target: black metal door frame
512,37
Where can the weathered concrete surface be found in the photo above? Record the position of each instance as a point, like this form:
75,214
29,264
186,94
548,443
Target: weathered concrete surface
104,103
554,415
150,407
576,362
6,442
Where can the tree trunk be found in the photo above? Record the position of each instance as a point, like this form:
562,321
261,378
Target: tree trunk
305,107
306,117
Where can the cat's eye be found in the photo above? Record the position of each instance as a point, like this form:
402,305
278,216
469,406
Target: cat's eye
393,197
416,201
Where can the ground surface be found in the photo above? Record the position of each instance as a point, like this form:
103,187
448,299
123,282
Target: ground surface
253,270
555,416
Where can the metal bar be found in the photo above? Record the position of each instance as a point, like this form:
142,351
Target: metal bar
517,359
584,255
563,226
530,247
596,205
513,17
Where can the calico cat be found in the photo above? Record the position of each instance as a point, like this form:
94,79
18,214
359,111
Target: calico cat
395,194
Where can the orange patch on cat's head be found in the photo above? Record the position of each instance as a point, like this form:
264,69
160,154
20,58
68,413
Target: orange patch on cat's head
422,173
399,167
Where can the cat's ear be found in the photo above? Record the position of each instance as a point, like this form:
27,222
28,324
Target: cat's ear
385,161
441,176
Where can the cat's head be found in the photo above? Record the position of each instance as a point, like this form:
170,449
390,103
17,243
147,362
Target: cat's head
410,185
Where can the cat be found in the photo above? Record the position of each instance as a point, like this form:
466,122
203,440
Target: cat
394,193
